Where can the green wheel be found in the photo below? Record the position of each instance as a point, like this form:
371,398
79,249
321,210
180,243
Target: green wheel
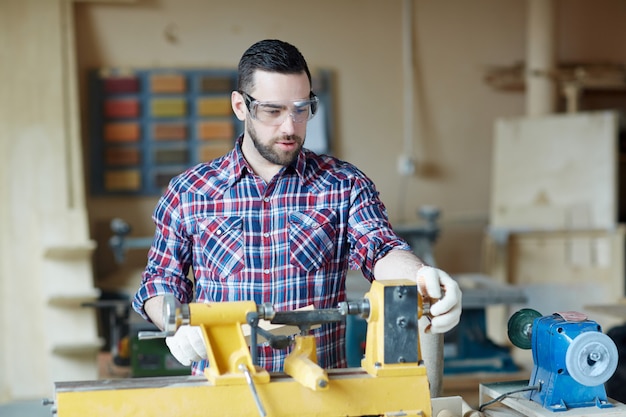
520,327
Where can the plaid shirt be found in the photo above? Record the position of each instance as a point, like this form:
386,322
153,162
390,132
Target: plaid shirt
288,242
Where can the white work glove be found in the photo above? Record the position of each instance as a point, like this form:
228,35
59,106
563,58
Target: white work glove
446,310
187,344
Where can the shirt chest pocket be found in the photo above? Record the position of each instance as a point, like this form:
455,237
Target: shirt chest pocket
220,240
312,238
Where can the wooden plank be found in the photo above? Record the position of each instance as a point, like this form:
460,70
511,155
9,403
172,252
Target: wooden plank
216,84
556,275
168,107
168,83
124,180
215,150
122,132
616,310
555,172
517,405
169,131
557,271
214,106
121,85
215,130
121,108
122,156
466,385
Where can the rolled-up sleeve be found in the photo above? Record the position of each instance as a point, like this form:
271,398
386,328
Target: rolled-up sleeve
169,257
370,233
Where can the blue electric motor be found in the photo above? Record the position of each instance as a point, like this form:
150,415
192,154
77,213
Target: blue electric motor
572,358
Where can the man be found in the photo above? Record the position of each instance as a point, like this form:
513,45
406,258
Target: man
275,223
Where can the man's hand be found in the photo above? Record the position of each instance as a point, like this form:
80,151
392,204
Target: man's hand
438,285
187,345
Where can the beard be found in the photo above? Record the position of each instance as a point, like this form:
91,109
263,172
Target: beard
267,151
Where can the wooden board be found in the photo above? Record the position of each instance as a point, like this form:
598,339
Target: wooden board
557,271
555,172
466,385
615,310
517,405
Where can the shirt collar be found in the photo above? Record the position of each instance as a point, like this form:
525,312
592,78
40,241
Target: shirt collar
299,165
241,166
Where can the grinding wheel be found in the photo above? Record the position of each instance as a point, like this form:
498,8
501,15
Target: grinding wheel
591,358
520,327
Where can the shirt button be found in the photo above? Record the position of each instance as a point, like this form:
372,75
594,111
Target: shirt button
218,232
266,235
266,199
266,271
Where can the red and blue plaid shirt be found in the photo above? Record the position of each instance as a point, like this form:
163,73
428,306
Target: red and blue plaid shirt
288,242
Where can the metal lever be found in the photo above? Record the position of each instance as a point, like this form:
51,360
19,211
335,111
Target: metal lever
243,368
147,335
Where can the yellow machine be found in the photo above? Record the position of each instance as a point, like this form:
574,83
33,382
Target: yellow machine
392,380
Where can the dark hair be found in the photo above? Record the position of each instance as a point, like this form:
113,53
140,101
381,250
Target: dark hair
270,55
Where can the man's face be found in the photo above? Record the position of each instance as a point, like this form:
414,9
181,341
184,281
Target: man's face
277,144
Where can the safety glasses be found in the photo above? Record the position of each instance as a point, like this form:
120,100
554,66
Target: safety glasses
275,113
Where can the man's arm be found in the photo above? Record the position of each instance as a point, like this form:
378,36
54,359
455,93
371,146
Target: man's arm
402,264
398,264
432,282
154,309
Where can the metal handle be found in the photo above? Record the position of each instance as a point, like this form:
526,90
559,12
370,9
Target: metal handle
243,368
147,335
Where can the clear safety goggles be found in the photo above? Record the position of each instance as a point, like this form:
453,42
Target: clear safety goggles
276,112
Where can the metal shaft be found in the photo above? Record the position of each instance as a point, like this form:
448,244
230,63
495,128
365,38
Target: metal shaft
243,368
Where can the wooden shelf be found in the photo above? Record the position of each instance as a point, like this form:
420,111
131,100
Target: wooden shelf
73,300
70,252
76,349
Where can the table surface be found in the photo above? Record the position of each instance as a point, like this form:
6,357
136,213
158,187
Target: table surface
517,405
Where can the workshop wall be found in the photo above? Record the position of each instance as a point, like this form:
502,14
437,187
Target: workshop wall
361,42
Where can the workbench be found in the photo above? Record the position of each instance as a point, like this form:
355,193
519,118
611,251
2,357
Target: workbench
467,385
517,405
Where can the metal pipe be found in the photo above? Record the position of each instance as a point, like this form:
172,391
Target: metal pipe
540,62
408,76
